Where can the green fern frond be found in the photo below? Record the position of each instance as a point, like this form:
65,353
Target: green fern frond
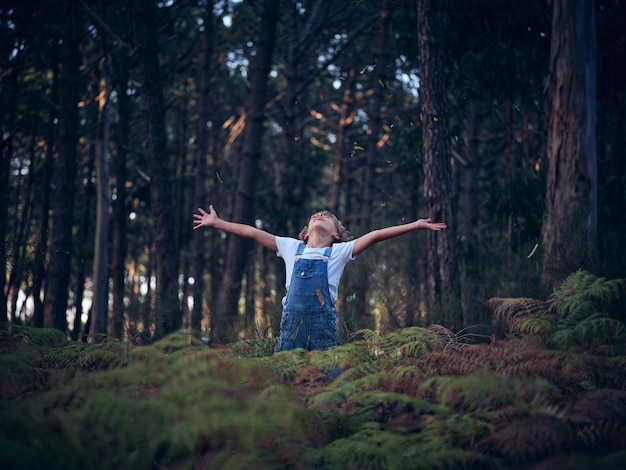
368,335
339,358
23,349
18,376
583,293
67,356
572,309
594,330
260,347
484,393
370,338
110,353
40,337
180,339
396,411
410,342
347,385
375,447
287,363
408,372
542,325
513,312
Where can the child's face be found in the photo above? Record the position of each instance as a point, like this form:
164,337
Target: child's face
322,220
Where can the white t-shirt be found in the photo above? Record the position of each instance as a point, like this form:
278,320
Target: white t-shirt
339,257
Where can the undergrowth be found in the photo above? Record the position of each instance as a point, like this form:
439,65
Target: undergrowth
547,391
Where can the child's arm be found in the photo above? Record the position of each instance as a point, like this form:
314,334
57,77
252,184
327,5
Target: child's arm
210,219
364,242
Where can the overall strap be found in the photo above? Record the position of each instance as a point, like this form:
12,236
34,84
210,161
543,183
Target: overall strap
299,251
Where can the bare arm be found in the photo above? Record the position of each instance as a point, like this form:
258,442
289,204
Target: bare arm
210,219
364,242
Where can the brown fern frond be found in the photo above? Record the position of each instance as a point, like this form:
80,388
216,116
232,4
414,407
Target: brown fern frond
507,414
529,440
584,461
443,333
599,417
510,313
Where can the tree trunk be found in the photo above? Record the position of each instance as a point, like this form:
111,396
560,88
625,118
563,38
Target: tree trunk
39,270
168,316
380,82
6,153
119,244
442,274
200,171
59,267
100,307
469,175
569,231
364,217
239,249
346,118
22,217
83,241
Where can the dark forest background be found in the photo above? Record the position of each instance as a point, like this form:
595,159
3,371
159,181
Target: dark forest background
504,119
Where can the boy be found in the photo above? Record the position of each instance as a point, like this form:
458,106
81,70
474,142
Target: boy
314,265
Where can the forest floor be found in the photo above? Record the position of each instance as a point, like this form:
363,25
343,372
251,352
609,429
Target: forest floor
549,393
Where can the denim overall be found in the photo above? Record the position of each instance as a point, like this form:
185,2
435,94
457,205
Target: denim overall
309,316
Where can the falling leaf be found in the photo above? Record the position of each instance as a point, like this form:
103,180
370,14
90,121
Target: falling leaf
533,250
218,177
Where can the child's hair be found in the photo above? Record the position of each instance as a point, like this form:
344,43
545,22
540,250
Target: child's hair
344,235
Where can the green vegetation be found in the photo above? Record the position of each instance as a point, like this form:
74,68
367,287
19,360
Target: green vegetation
548,391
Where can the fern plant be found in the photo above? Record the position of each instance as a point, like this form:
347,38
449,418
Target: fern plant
22,349
582,291
512,313
407,342
583,310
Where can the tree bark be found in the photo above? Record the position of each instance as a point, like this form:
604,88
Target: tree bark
103,212
168,315
200,174
6,153
119,242
442,273
364,217
239,249
39,269
83,242
346,118
569,231
59,267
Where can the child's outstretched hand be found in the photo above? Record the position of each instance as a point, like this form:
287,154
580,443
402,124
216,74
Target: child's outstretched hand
204,218
427,224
